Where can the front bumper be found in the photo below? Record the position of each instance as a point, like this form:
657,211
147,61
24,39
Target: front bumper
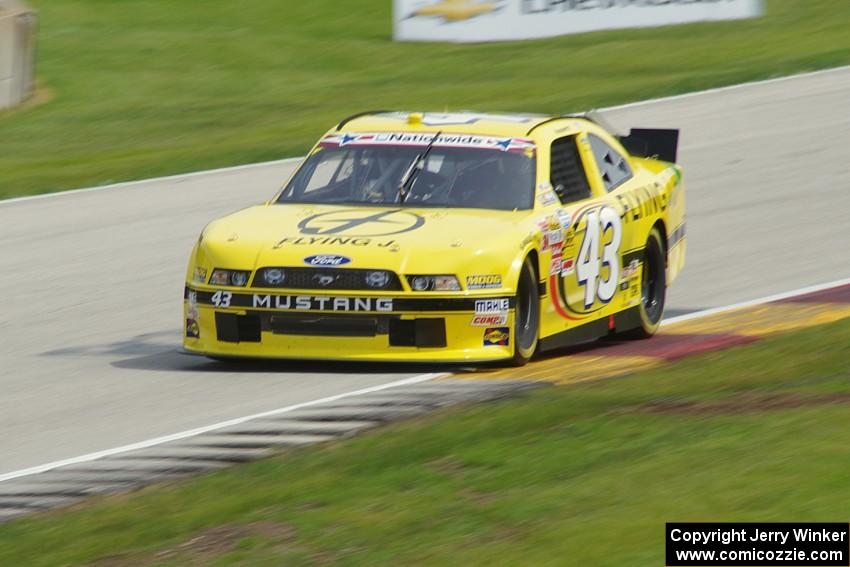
405,328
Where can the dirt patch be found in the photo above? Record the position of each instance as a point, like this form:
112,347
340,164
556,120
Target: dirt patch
744,403
39,95
448,466
207,545
478,497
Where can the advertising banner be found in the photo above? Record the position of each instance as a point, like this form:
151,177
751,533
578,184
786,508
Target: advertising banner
506,20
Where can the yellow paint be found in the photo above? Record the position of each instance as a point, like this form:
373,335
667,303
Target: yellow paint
493,243
756,321
571,369
456,10
763,320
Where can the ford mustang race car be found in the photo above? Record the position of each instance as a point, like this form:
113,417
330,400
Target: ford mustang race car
446,237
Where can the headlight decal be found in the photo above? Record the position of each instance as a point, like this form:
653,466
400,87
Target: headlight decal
443,282
235,278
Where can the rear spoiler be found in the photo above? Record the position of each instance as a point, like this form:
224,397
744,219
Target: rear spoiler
652,143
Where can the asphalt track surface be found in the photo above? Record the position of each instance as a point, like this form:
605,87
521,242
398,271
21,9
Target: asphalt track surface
91,326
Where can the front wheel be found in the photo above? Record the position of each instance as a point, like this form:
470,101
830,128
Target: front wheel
653,287
527,315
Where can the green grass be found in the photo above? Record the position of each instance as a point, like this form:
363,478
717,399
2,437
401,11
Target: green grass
140,88
580,475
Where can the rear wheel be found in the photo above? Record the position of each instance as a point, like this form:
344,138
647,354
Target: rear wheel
527,315
653,287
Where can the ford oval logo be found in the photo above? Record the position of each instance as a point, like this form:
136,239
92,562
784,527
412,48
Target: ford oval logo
326,260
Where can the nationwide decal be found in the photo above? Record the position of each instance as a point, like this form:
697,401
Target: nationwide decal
425,138
484,282
489,320
490,306
497,336
456,10
318,303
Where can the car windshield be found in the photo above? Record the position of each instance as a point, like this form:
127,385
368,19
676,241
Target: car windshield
458,171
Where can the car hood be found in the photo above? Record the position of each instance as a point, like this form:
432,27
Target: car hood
405,240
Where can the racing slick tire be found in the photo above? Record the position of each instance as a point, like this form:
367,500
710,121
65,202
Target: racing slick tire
653,287
527,315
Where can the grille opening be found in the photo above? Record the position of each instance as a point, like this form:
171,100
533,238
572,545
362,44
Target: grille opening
423,333
233,328
326,326
326,278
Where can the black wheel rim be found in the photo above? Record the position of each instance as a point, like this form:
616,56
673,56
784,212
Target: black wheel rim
652,284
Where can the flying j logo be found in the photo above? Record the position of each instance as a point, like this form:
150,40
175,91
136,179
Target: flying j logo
361,223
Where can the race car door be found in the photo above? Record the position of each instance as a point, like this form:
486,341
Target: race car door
588,283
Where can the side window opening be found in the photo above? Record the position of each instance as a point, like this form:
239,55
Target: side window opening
567,174
613,166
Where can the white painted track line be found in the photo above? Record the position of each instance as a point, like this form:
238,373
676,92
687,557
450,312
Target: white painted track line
759,301
215,426
176,178
404,382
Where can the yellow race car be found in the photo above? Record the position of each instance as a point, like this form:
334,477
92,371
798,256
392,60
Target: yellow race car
446,238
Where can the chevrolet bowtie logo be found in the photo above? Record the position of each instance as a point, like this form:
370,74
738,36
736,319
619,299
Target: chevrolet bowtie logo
456,10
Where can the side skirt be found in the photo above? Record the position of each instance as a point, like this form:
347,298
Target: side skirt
623,321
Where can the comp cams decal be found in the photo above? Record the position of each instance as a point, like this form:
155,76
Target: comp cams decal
489,320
